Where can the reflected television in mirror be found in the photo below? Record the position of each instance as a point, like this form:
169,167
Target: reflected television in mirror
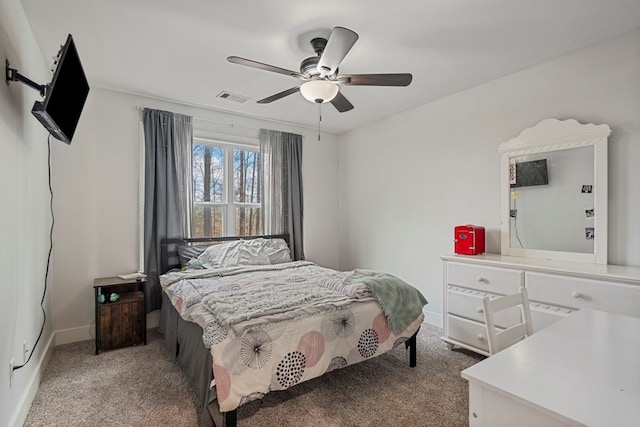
531,173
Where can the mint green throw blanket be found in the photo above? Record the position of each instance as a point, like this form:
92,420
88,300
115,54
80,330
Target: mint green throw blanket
401,302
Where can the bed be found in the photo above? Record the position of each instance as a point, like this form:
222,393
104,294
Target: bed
243,319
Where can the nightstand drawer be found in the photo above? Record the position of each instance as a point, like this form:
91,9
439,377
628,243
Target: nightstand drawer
488,279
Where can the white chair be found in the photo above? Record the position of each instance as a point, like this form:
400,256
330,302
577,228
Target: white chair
500,339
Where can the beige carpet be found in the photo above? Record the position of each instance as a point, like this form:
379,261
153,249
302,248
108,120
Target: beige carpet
142,386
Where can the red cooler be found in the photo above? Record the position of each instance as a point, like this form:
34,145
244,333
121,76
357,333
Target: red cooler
468,239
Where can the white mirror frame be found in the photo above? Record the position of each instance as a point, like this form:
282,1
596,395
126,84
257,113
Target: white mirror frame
553,135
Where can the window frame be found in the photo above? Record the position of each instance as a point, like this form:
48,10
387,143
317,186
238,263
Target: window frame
228,204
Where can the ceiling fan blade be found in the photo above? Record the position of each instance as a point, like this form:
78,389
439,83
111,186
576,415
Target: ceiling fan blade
375,79
266,67
341,103
339,44
279,95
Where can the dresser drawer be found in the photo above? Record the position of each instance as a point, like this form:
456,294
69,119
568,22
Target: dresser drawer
467,303
488,279
584,293
468,332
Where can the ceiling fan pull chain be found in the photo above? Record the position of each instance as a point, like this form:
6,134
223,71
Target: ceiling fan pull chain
319,119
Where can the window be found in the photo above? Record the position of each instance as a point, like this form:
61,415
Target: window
226,186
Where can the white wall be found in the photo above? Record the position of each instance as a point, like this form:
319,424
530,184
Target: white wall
24,218
96,204
405,182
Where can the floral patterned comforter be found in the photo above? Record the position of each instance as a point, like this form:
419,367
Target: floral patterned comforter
299,321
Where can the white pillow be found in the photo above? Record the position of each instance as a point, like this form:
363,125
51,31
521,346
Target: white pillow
246,252
223,253
251,252
277,250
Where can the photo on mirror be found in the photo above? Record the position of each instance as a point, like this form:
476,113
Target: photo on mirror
588,233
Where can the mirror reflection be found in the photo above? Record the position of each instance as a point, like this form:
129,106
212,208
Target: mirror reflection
552,200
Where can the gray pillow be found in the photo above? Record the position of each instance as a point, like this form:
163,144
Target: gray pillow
186,253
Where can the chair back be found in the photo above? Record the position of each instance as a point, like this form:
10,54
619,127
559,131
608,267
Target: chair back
501,339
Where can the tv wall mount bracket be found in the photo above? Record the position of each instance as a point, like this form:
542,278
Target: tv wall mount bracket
12,75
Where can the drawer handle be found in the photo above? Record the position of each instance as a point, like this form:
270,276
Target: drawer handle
482,279
576,294
480,310
480,337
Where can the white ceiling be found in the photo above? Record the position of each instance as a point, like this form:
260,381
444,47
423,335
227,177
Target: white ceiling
177,49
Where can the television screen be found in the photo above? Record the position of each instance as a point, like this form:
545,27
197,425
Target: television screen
531,173
65,96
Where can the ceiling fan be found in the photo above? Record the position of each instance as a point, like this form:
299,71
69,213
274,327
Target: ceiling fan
320,73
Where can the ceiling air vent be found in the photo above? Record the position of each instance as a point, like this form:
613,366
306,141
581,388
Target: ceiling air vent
232,97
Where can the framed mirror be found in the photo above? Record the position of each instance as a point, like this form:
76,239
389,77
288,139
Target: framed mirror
554,192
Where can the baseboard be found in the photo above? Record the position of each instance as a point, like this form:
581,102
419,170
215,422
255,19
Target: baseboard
82,333
24,404
153,319
434,319
85,333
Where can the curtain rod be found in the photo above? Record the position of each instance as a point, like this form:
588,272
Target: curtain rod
233,125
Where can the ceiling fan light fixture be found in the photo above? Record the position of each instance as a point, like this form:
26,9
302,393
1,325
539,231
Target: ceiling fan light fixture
319,91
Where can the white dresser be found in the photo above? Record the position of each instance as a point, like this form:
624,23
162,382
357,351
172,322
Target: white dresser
555,288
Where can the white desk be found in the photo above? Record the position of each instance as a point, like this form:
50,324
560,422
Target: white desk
582,370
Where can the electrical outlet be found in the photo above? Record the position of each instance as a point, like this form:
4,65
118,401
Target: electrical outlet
25,352
11,363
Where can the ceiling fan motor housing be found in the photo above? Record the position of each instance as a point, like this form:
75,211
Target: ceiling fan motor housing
309,66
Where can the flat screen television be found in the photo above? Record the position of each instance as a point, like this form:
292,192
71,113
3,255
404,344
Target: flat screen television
531,173
65,96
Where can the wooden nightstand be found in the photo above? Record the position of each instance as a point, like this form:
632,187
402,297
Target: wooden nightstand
123,322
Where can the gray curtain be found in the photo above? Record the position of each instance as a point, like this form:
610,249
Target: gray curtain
281,171
167,179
